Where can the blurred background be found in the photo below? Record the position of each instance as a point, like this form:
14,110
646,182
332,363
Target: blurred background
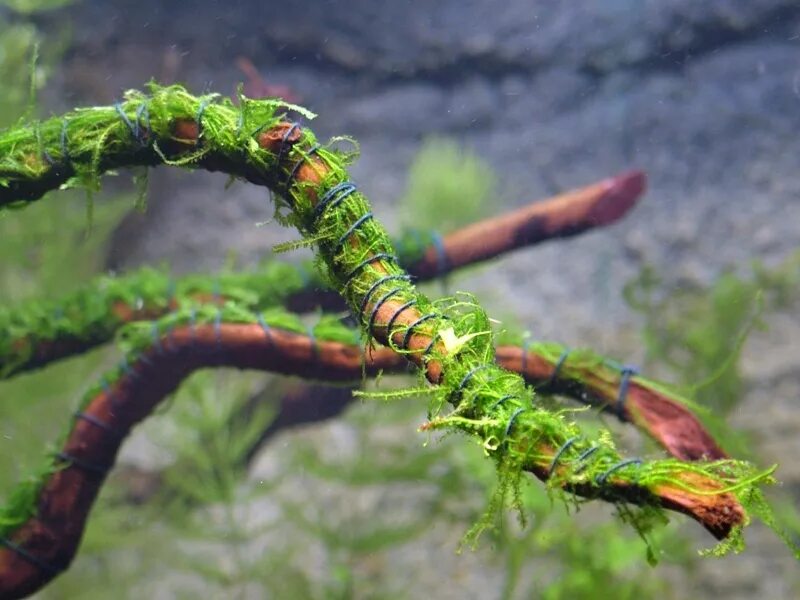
523,100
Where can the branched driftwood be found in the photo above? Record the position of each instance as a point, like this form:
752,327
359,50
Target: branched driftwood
450,340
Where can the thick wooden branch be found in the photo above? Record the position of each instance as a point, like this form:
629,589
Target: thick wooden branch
53,534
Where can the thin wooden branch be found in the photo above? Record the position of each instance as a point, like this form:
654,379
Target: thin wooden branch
656,413
565,215
393,323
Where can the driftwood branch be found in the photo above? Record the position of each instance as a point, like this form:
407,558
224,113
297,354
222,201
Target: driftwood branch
51,537
448,347
565,215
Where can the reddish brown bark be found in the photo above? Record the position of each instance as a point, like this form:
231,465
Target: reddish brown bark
565,215
53,534
671,424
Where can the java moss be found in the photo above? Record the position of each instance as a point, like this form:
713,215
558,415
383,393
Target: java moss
136,338
91,315
490,404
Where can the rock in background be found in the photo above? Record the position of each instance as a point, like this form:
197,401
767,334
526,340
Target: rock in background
704,96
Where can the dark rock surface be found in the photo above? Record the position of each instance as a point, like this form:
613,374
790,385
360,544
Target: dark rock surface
705,96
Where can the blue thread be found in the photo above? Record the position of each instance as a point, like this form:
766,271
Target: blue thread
559,453
34,560
89,467
375,286
126,120
393,318
143,358
370,259
98,423
526,344
218,328
48,157
410,330
378,304
557,368
601,479
511,420
193,324
199,118
239,123
64,142
333,197
171,287
287,184
619,408
360,221
112,398
45,154
143,133
260,128
499,401
460,389
169,346
587,453
127,369
442,262
580,460
430,345
284,140
265,327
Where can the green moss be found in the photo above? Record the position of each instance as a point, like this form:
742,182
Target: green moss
491,405
90,316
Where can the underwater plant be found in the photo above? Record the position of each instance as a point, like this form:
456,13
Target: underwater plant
168,329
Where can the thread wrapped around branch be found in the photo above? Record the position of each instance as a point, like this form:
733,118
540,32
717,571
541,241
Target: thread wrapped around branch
590,378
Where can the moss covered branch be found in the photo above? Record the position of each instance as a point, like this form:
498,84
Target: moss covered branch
451,340
47,516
